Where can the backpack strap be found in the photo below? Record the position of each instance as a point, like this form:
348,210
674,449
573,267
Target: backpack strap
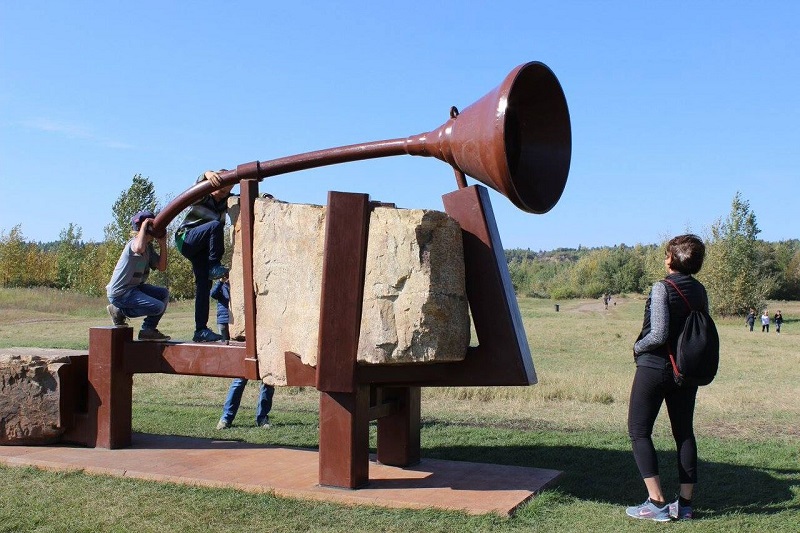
671,356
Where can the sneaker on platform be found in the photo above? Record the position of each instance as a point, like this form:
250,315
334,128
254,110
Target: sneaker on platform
206,335
152,335
119,319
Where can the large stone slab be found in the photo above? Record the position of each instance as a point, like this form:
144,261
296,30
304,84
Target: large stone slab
30,395
414,308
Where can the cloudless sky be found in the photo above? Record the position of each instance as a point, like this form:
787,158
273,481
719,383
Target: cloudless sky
675,106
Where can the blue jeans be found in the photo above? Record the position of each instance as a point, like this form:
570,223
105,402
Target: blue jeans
235,398
203,246
144,300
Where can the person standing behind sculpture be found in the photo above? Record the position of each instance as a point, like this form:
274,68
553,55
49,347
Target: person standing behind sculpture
200,238
221,292
128,293
764,322
751,318
778,318
654,383
234,399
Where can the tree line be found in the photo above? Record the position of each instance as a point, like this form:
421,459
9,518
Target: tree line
740,270
86,267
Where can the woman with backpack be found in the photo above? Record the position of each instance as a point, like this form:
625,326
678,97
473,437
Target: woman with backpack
654,382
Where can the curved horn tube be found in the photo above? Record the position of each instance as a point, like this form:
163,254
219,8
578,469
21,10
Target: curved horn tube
516,139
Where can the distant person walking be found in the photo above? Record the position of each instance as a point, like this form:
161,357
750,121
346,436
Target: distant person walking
751,318
764,322
778,318
653,384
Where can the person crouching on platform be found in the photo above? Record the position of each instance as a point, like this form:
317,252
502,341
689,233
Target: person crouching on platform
128,293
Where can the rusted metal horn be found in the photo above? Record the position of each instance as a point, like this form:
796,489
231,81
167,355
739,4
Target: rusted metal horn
516,139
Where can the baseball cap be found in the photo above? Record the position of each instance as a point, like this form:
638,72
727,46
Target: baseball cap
138,218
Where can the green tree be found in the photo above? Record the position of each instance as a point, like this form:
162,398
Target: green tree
734,270
98,260
783,258
69,257
13,258
139,196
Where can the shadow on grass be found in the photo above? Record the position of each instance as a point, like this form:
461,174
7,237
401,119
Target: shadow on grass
610,476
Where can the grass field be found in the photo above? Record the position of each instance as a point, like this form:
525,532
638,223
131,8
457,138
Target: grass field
747,424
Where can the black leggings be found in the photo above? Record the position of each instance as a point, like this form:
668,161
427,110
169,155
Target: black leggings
651,387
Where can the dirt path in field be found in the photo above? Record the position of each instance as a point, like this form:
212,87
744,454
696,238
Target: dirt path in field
590,307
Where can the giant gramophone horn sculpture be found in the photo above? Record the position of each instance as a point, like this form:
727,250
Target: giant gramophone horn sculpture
516,140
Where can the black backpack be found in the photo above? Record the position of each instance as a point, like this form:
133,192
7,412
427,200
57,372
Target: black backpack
697,356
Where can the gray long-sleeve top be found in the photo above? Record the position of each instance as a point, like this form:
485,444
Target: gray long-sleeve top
659,320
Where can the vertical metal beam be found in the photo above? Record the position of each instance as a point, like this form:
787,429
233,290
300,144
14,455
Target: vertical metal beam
344,404
344,262
344,438
110,388
249,192
399,433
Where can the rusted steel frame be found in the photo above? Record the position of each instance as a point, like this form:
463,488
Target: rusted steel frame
343,268
191,359
298,374
249,193
108,423
398,438
344,438
73,403
503,356
344,404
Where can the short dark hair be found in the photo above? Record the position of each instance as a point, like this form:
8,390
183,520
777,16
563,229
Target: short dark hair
688,252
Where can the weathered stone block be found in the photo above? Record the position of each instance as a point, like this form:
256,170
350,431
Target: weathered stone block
414,307
30,395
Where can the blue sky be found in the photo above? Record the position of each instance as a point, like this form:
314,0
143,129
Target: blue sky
675,106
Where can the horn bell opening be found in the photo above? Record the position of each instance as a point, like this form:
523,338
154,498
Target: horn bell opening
538,138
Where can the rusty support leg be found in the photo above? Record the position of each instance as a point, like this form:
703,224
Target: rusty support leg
249,193
110,388
344,438
344,403
398,433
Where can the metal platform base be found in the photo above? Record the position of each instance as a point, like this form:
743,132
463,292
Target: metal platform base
474,488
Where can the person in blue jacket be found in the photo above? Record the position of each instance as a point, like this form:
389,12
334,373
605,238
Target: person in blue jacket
221,293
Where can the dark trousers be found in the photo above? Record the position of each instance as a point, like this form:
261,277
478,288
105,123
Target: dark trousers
652,387
203,246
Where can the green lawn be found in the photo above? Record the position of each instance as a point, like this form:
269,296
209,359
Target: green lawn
748,428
